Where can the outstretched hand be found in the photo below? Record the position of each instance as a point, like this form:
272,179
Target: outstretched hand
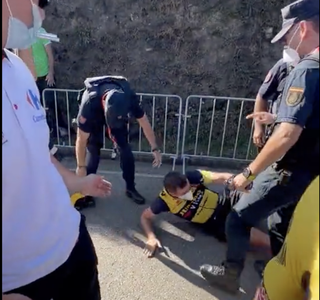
157,159
95,185
151,246
262,117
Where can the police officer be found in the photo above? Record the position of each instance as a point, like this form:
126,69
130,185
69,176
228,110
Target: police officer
108,100
270,90
289,161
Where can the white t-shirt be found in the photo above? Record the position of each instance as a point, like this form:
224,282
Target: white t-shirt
40,227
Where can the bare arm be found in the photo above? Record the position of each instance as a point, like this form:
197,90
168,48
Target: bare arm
146,223
147,130
260,105
213,177
50,58
71,180
81,144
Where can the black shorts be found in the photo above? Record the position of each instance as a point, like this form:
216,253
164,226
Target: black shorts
77,278
216,224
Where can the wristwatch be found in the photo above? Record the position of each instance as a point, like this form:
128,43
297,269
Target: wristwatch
155,149
82,167
248,174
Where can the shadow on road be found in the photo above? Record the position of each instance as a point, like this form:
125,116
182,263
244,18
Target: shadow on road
186,247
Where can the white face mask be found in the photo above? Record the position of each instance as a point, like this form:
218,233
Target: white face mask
187,196
291,55
19,35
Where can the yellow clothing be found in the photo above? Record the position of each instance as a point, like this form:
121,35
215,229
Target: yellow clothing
204,202
300,253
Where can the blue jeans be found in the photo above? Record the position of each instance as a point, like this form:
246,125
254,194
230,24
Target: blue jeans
271,192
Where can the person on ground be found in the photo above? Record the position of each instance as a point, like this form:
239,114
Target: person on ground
289,161
294,272
47,252
107,101
188,197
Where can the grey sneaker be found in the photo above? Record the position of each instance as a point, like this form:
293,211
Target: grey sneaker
225,277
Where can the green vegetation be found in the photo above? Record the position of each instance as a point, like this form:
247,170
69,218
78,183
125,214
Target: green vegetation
201,47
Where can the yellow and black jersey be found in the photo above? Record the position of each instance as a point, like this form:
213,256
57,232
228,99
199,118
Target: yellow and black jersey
283,276
200,209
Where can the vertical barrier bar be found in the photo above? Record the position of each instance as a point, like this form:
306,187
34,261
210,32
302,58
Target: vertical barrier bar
237,132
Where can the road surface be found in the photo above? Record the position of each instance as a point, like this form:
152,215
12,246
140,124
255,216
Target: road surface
125,274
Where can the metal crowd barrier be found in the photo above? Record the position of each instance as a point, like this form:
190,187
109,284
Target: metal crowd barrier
216,127
166,123
211,127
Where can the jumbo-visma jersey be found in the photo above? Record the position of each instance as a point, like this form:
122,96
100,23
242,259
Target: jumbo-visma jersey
204,202
300,253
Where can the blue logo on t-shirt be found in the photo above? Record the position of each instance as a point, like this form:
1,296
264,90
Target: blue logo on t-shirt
33,100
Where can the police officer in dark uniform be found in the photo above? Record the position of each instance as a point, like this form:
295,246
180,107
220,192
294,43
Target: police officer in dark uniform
270,90
108,101
289,161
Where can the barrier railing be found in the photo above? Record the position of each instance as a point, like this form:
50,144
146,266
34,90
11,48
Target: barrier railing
62,107
215,127
211,127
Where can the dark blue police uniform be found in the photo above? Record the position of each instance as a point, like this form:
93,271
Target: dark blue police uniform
273,85
282,184
108,101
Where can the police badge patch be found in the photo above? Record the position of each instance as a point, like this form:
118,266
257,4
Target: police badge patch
295,96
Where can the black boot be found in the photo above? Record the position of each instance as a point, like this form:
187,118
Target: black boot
135,196
225,277
89,201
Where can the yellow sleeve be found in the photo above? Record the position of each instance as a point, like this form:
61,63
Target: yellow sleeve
299,254
207,176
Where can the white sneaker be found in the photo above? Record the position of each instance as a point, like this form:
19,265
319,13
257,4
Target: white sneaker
114,154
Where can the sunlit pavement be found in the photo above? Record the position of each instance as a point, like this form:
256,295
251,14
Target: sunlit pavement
125,274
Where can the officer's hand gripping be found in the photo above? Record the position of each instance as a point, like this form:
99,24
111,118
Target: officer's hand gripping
230,185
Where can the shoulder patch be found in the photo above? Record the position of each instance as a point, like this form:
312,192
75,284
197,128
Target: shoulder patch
268,77
295,96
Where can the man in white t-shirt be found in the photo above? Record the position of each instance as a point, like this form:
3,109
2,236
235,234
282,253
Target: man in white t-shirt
47,252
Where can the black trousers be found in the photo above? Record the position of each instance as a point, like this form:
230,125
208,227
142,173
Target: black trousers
216,224
76,279
127,163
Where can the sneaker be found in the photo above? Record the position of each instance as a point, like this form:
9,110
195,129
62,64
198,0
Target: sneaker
89,201
80,204
135,196
114,154
225,277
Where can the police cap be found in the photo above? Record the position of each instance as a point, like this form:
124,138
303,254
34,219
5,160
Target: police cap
296,12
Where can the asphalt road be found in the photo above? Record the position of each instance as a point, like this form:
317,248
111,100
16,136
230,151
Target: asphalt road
125,274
